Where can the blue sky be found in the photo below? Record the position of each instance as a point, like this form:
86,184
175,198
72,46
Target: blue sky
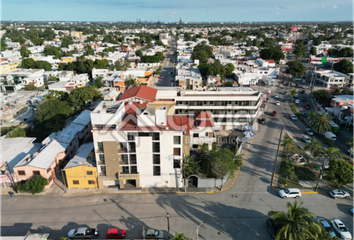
168,11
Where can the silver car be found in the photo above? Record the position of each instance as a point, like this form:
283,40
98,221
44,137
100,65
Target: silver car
337,193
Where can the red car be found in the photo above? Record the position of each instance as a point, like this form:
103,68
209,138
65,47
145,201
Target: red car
303,91
284,77
307,106
282,82
160,77
297,85
274,113
116,233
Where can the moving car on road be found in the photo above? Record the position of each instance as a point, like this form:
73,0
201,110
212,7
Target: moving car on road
309,131
293,117
153,234
116,233
83,232
306,139
290,192
296,95
276,96
326,226
274,113
261,121
341,229
304,115
307,106
297,101
278,103
337,193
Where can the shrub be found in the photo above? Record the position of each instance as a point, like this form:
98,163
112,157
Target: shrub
35,185
30,87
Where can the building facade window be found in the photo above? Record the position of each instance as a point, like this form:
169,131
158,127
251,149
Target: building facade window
21,173
89,173
176,164
176,151
50,179
36,173
91,182
156,171
176,140
100,146
156,147
48,170
132,158
76,182
195,135
156,158
132,147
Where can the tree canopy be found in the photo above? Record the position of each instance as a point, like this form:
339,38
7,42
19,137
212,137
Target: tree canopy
274,53
51,50
24,51
344,66
202,52
295,68
35,185
213,69
340,172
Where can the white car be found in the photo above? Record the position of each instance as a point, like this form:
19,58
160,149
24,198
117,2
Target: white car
276,96
290,192
337,193
278,103
293,117
280,85
308,131
326,226
297,101
341,229
296,95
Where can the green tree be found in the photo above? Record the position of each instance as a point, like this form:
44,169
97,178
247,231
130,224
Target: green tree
89,50
30,87
139,53
17,132
24,51
52,114
42,65
288,170
98,82
37,41
321,122
204,148
313,51
221,163
295,68
274,53
27,63
229,69
191,166
159,43
187,37
202,52
292,94
79,96
313,146
350,144
344,66
35,185
51,50
65,42
296,224
288,143
3,44
340,172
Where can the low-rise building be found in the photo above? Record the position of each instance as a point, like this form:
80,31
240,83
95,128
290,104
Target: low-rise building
329,78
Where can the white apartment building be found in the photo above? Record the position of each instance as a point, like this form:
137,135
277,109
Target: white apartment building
138,142
330,77
188,76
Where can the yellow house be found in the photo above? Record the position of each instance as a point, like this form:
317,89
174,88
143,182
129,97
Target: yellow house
81,171
67,59
9,66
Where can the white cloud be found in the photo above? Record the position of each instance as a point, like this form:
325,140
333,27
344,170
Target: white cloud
173,12
334,6
322,5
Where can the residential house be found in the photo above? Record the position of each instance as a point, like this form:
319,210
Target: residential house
81,171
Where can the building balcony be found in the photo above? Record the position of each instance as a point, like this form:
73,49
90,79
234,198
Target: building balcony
100,162
102,174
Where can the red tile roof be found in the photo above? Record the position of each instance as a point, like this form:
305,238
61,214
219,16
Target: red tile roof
31,83
142,92
203,115
269,60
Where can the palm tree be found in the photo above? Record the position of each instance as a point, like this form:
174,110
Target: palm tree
332,153
204,148
321,122
288,143
179,237
296,224
321,233
314,146
288,170
292,94
350,144
311,116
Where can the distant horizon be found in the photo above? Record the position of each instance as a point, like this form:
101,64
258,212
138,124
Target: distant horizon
162,22
170,11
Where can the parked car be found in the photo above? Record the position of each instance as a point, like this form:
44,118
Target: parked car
280,85
285,92
83,232
296,95
341,229
297,101
297,85
160,77
309,131
307,106
276,96
278,103
274,113
326,226
261,121
303,91
153,234
293,117
337,193
272,228
116,233
304,115
290,192
330,136
306,139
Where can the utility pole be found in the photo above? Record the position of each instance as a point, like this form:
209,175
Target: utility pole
198,228
10,175
184,173
168,224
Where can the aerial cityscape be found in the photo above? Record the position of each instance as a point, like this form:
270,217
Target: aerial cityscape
189,120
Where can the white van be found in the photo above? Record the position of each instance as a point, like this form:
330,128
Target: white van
330,136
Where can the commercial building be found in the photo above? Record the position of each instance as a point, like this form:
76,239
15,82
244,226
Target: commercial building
329,77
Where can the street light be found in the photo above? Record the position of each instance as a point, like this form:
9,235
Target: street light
168,224
198,228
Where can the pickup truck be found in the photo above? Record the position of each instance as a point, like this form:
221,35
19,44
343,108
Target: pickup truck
83,233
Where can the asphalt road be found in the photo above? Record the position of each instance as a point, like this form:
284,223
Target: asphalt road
238,213
167,68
